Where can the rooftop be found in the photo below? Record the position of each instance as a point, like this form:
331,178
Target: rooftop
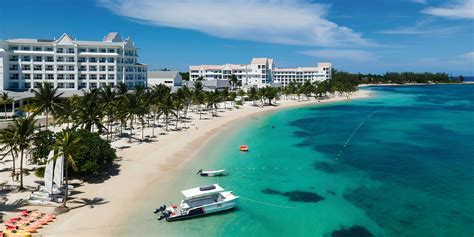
202,191
162,74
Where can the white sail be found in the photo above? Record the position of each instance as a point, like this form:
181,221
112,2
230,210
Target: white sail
48,174
58,172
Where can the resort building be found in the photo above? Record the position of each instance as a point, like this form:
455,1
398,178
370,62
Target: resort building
167,78
302,74
261,72
70,64
257,73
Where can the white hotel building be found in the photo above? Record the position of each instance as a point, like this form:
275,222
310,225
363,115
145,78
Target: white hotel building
70,64
261,72
257,73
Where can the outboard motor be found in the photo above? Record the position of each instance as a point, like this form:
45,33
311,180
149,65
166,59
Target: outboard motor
199,172
164,216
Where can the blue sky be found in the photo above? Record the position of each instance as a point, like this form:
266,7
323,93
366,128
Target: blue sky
357,36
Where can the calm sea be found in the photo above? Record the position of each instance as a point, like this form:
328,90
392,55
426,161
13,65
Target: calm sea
397,164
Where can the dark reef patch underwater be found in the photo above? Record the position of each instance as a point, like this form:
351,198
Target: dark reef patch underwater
296,196
354,231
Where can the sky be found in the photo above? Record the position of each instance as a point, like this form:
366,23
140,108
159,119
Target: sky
367,36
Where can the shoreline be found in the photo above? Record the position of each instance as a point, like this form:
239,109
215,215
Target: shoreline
416,84
144,163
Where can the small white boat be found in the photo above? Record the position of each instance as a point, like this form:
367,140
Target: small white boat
198,202
211,172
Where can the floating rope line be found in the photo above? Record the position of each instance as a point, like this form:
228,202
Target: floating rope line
361,124
265,203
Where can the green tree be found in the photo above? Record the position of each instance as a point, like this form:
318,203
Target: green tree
43,142
166,108
23,129
8,140
5,100
253,94
198,96
212,102
225,96
67,147
234,81
89,112
46,99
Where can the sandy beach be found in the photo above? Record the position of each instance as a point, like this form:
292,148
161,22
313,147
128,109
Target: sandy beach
142,162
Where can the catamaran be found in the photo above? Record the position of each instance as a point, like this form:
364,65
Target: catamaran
198,202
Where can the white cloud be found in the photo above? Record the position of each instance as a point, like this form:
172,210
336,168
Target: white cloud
469,55
342,54
459,9
418,1
422,28
293,22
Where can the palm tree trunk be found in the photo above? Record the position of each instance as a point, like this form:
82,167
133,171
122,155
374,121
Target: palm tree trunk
131,130
199,111
21,169
47,119
5,110
177,119
66,190
153,128
13,165
166,121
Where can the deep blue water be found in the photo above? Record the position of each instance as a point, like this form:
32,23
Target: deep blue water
397,164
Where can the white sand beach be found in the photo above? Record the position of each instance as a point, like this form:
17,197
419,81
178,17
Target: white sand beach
139,164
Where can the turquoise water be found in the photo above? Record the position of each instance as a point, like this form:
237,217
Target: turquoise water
406,170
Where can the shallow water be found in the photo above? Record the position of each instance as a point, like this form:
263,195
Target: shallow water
406,170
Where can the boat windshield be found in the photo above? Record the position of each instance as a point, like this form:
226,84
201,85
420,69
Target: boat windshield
196,202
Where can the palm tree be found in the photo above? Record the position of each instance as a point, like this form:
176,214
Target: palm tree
7,139
23,129
225,96
67,113
66,147
253,94
122,89
166,108
5,100
233,81
108,100
212,102
89,113
179,102
198,96
46,100
130,107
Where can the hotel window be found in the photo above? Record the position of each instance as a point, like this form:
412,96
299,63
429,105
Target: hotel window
111,60
38,76
37,67
82,85
82,68
103,84
92,68
111,68
70,68
14,67
49,49
27,76
37,84
60,76
70,50
60,59
111,50
102,50
49,68
102,60
13,58
49,59
102,76
92,60
27,85
14,76
111,76
26,58
26,48
13,47
70,76
50,76
14,85
37,49
93,85
102,68
112,84
82,50
70,85
82,77
93,50
60,67
38,59
60,85
70,59
59,50
92,77
82,60
26,67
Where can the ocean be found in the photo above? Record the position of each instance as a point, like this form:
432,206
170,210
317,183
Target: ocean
397,164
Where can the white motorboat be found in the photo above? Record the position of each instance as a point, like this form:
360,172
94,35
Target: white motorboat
198,202
211,172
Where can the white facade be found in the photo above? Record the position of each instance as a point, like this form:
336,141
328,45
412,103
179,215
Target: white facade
70,64
167,78
261,72
302,74
257,73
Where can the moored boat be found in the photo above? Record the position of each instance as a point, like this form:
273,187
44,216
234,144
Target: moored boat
198,202
211,172
244,148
